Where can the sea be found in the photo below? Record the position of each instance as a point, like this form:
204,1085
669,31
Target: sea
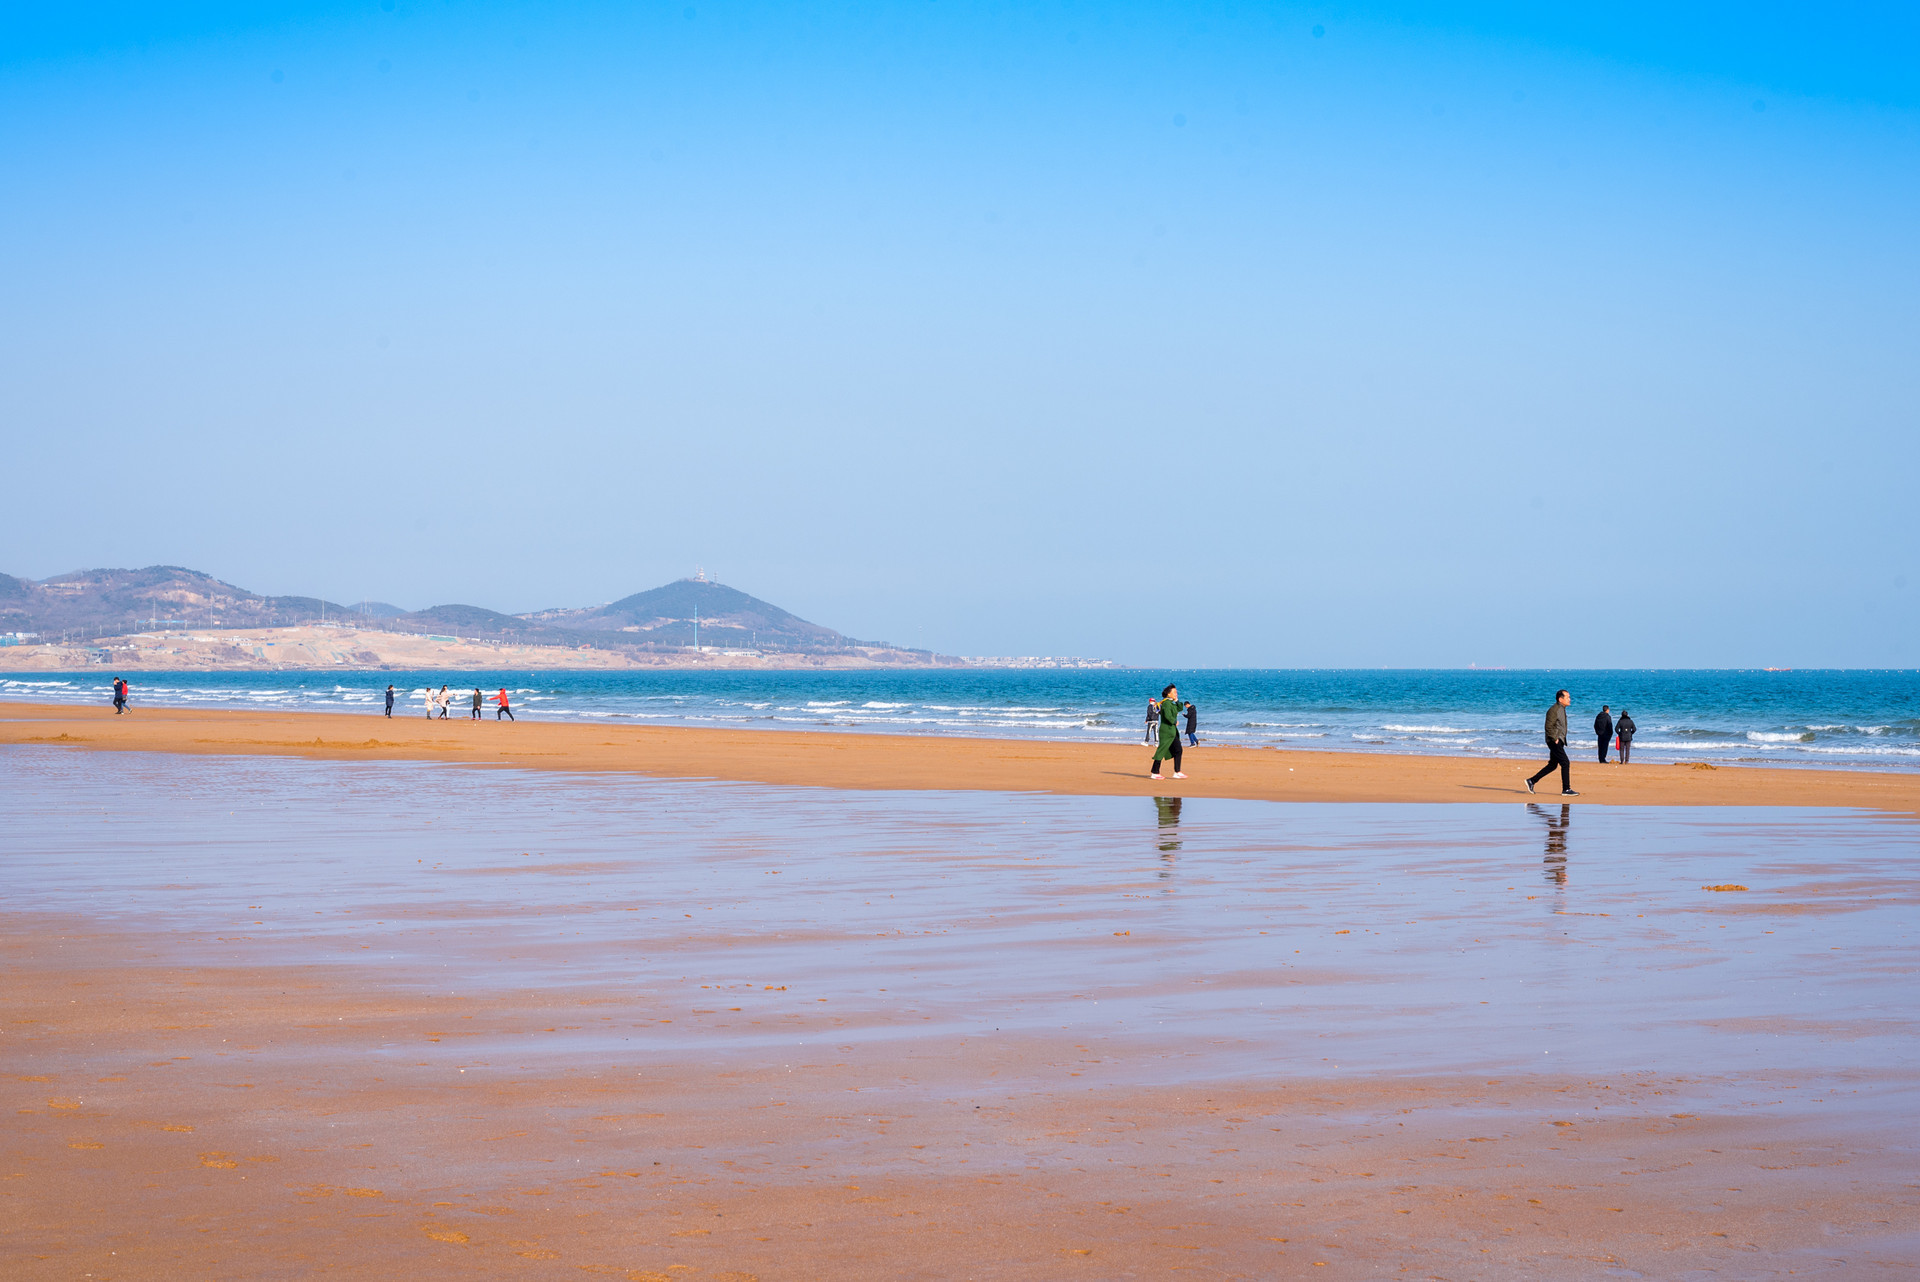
1851,717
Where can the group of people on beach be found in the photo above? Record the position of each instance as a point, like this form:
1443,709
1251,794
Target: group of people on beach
1615,733
1153,721
1618,734
1164,730
442,701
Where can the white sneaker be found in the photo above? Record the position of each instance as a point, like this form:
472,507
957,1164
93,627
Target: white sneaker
1153,776
1178,775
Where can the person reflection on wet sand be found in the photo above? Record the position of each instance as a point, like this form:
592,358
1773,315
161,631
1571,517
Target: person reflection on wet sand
1557,825
1169,808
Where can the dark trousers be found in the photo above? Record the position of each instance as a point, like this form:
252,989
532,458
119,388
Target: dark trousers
504,711
1626,750
1174,751
389,710
476,713
1557,756
1604,740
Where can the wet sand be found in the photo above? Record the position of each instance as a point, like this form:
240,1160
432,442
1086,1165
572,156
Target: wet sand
273,1018
897,761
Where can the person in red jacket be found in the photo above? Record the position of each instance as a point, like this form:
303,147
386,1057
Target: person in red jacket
505,709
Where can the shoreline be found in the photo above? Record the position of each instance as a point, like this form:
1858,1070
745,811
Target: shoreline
888,762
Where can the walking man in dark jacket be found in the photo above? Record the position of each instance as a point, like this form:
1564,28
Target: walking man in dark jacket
1193,726
389,703
1557,746
1603,726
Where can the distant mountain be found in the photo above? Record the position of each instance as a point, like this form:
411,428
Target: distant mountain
102,603
112,602
728,617
481,624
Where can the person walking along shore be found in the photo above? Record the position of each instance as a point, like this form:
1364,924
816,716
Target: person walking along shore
1603,727
1193,726
1557,746
119,696
1169,714
1624,728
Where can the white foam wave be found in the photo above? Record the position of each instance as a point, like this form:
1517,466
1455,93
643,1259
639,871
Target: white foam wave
1867,752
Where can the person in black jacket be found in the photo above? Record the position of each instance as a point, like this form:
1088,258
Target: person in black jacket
1603,726
1193,723
1557,746
1624,727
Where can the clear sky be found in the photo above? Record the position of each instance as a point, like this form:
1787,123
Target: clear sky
1264,335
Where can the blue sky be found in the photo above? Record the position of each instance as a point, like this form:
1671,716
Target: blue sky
1206,334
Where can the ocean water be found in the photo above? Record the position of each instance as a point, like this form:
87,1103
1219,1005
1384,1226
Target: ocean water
1820,718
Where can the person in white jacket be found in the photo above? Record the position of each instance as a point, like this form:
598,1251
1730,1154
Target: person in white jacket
426,698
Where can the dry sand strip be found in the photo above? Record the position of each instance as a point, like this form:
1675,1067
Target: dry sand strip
289,1121
898,761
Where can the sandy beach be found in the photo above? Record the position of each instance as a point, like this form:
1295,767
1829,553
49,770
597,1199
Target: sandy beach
298,994
871,761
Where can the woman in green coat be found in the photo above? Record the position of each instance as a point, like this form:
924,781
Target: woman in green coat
1169,732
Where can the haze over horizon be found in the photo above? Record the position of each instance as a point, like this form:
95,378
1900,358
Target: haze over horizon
1199,335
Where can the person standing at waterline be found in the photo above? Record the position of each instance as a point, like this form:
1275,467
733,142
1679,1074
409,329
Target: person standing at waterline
1557,746
389,703
1624,728
1603,727
1153,721
477,700
1193,726
1169,718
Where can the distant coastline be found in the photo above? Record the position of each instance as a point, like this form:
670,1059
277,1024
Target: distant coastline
167,618
349,647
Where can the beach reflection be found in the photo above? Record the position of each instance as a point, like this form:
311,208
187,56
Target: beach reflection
1169,814
873,915
1555,860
